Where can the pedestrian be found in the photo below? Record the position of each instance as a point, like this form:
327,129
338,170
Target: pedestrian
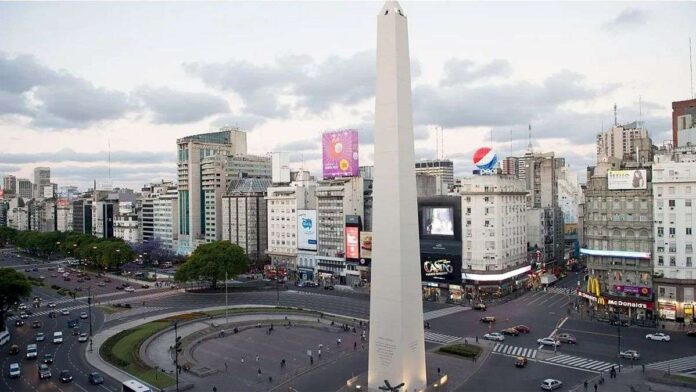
257,357
643,366
270,379
465,342
259,373
595,387
319,352
282,363
438,372
226,368
355,345
214,389
242,358
338,342
311,360
476,338
585,384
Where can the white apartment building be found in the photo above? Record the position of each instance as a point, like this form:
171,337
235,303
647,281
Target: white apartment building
674,208
337,199
64,216
165,217
624,142
18,215
150,194
126,227
494,232
213,186
284,203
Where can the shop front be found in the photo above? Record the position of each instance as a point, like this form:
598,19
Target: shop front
612,306
305,273
488,286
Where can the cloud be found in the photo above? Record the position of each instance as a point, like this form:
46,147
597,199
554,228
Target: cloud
69,155
178,107
8,169
22,73
628,18
299,145
458,71
246,122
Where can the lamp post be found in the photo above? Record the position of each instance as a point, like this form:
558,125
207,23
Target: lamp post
89,305
227,321
618,323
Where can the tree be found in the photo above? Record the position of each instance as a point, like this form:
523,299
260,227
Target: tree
210,262
7,235
14,287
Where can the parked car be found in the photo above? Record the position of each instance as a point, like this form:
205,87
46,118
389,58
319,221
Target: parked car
548,342
309,283
488,319
328,287
15,372
129,289
480,306
630,354
624,323
44,371
691,333
566,338
144,286
550,384
65,376
520,362
96,378
659,336
510,331
495,336
101,284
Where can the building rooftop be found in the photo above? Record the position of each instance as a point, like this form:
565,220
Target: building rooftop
248,185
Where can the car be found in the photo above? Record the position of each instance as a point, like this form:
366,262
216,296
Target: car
48,358
65,376
58,337
119,288
44,371
67,279
24,315
83,315
510,331
691,333
60,270
65,312
548,342
32,351
522,329
658,336
96,378
19,323
550,384
144,286
566,338
14,349
72,323
495,336
76,331
480,306
87,277
630,354
40,337
27,270
52,314
22,307
15,372
34,269
51,304
29,312
328,287
36,324
51,268
82,338
129,289
488,319
101,284
78,288
520,362
107,280
309,283
80,280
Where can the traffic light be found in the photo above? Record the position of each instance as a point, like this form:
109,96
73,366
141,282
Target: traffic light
177,345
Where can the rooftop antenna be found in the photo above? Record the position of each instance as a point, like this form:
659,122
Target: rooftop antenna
529,145
616,123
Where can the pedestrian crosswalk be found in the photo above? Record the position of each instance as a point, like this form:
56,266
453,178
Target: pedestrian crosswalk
560,290
679,365
434,337
581,363
443,312
45,312
514,351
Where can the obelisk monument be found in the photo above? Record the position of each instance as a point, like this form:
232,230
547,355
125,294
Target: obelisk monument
397,349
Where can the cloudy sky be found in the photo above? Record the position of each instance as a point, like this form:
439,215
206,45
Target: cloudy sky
76,78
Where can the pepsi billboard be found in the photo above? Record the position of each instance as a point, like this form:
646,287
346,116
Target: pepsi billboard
485,160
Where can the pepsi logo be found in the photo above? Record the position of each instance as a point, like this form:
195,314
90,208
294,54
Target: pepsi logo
485,158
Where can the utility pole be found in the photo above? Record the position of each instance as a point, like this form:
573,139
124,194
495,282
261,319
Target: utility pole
619,340
177,350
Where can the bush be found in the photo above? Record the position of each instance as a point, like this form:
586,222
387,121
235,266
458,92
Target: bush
463,350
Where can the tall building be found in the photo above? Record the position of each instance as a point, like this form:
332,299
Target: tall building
681,108
18,215
245,219
686,130
64,215
126,223
248,166
42,215
25,188
150,193
510,165
42,178
9,184
442,169
494,233
674,207
337,199
166,218
4,210
629,142
191,151
213,187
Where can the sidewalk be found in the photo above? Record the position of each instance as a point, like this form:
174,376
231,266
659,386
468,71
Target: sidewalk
630,380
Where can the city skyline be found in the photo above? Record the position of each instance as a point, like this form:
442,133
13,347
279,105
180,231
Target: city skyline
74,88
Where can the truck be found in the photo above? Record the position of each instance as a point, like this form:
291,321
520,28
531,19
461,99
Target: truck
548,279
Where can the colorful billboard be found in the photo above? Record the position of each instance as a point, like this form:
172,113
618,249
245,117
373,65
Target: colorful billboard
441,268
627,179
307,229
340,154
485,158
366,245
352,243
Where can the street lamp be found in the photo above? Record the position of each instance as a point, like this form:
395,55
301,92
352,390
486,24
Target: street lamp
618,323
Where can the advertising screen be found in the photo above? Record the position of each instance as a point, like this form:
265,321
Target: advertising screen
365,245
441,268
340,154
307,229
438,221
627,179
352,243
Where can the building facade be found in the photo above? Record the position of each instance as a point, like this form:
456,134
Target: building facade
25,188
166,218
681,108
9,184
245,218
442,169
248,166
213,180
42,178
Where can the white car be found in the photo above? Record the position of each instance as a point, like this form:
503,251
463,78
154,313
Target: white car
40,337
129,289
548,342
15,372
52,305
550,384
23,316
22,307
630,354
65,312
494,336
659,336
82,338
83,315
58,337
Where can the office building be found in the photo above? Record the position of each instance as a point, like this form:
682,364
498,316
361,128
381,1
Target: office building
4,211
686,130
628,142
674,207
191,151
64,215
9,184
248,166
42,178
42,215
150,193
166,218
442,169
127,222
568,194
25,188
213,187
245,218
681,108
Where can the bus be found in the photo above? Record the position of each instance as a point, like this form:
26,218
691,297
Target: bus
134,386
4,337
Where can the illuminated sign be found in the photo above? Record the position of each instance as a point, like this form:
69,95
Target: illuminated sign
365,245
496,277
340,154
352,243
615,253
441,267
630,304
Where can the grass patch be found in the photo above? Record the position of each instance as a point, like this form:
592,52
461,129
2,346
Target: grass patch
462,350
684,378
122,349
110,309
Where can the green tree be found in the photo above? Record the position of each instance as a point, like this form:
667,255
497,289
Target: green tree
8,235
210,262
14,287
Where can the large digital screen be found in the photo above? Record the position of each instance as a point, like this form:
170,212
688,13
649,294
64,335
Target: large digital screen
441,268
438,221
352,243
627,179
307,229
365,245
340,154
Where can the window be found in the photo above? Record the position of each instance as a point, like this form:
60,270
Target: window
660,203
688,261
687,203
688,231
660,248
672,203
660,231
672,231
660,260
672,247
689,248
672,261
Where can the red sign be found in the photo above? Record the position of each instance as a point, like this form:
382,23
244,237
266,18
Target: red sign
352,243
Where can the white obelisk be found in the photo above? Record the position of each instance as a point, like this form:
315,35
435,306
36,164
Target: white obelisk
397,349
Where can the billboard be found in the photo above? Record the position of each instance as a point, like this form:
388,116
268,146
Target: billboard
437,221
366,245
441,268
352,243
307,229
340,154
627,179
